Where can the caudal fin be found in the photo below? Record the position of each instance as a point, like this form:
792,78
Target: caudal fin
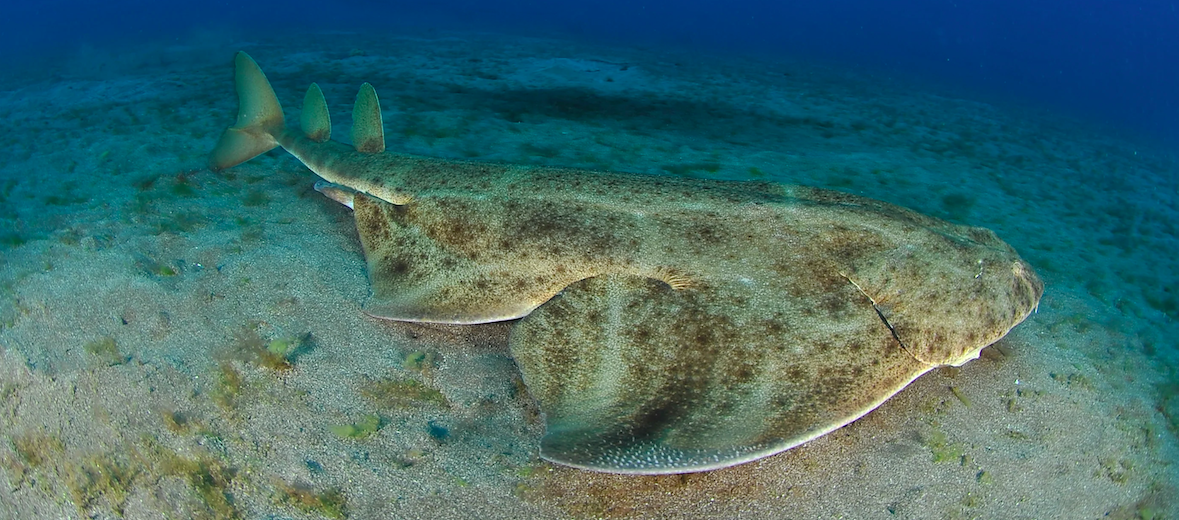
259,118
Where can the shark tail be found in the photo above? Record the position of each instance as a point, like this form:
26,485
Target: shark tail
259,118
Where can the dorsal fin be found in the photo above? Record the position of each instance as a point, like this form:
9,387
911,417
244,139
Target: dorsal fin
368,134
315,120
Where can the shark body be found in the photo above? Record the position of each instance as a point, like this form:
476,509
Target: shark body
668,325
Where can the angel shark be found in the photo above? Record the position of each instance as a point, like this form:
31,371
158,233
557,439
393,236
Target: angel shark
666,325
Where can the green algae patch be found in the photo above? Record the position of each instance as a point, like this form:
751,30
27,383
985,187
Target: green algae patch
365,427
35,449
227,388
183,423
102,477
961,396
331,503
210,478
1116,470
106,351
419,361
942,449
393,393
153,267
288,347
277,353
176,422
1072,380
99,483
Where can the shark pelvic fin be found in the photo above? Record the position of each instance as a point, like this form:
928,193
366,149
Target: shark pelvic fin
259,117
337,192
368,134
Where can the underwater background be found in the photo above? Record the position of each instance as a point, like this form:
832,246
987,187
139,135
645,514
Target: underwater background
1110,61
179,343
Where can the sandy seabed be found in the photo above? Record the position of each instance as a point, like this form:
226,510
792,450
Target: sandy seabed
176,343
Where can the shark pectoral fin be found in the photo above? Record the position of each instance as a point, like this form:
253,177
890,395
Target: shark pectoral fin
635,377
415,279
623,368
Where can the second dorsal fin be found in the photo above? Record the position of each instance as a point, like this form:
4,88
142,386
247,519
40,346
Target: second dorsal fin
315,120
368,134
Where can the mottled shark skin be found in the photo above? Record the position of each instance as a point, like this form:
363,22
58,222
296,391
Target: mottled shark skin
669,325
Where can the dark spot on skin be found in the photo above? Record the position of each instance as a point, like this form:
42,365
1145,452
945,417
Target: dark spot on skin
370,219
702,339
649,422
556,313
742,374
989,323
833,304
1020,292
781,402
982,235
641,335
832,389
393,268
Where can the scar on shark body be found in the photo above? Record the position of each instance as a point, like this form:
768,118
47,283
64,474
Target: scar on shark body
666,325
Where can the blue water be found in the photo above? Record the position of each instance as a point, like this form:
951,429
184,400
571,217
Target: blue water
1115,62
